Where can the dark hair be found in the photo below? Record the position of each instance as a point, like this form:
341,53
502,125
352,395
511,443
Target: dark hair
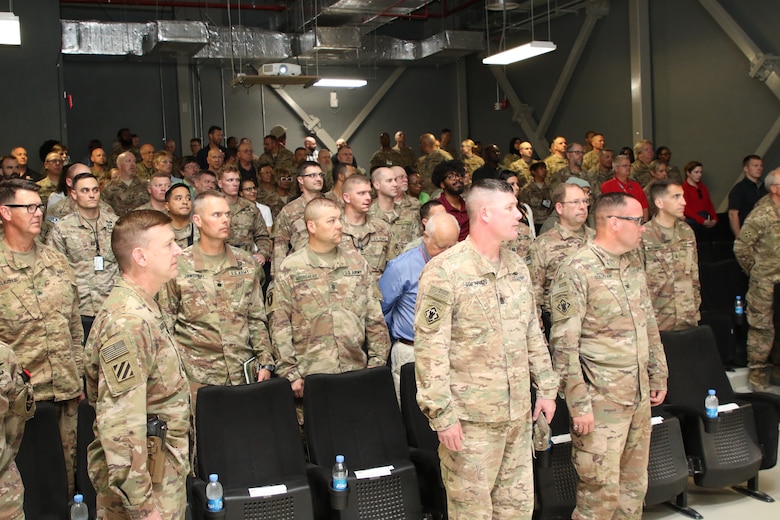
305,164
538,164
81,176
214,128
425,209
442,169
175,186
691,165
749,158
129,232
187,160
661,149
512,144
608,201
338,169
9,188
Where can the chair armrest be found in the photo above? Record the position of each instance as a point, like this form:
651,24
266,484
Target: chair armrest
761,397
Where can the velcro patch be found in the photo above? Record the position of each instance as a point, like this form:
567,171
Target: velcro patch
269,300
120,366
563,304
437,293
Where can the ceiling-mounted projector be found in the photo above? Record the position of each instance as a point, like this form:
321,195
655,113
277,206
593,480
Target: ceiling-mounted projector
280,69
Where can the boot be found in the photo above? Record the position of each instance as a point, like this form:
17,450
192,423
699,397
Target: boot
758,380
774,378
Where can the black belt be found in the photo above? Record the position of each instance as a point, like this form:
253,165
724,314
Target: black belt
406,341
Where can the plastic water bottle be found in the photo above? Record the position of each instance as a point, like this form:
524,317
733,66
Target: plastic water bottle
79,511
340,473
214,493
711,404
739,306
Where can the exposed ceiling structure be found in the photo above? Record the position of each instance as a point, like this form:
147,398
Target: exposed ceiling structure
309,32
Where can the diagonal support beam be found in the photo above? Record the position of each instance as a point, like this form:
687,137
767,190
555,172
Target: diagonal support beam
312,123
372,103
595,10
641,71
523,114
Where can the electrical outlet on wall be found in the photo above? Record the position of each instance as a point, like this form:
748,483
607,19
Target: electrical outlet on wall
334,100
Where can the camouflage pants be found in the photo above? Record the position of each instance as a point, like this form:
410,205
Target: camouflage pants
170,498
492,476
399,356
11,494
69,414
761,334
611,461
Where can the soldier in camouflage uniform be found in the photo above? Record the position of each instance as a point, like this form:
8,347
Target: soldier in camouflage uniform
407,154
39,310
607,350
671,260
178,202
431,155
216,304
84,237
134,373
52,170
368,235
523,165
128,191
403,199
640,168
324,308
574,169
145,168
157,187
470,160
557,158
590,161
537,193
404,224
757,249
276,155
16,407
290,233
247,227
478,349
385,156
550,249
340,173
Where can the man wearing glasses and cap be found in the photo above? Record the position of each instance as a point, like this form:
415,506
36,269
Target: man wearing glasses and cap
608,353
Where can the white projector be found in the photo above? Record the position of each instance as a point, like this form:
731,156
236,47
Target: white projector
281,69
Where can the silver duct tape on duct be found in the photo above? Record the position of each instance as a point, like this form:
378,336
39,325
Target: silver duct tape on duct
247,43
104,38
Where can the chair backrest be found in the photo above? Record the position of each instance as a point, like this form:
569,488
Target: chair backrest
248,434
354,414
41,463
418,430
694,367
721,283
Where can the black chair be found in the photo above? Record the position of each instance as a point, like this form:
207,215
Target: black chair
424,445
555,484
84,436
722,324
41,463
356,414
249,436
721,283
726,451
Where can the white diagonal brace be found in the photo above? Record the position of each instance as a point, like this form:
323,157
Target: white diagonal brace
641,70
523,114
372,103
312,123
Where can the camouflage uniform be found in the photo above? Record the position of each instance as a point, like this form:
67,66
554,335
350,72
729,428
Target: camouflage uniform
248,229
148,205
289,232
283,159
548,252
74,237
405,226
757,249
335,198
564,174
472,163
412,204
186,236
272,200
608,352
521,168
640,172
590,161
426,164
144,173
478,348
324,316
16,407
101,175
125,197
603,175
522,244
387,157
407,156
134,371
539,199
218,316
372,240
47,187
554,163
509,159
64,207
672,272
40,321
673,173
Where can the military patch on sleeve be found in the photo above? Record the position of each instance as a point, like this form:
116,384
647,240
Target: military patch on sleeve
269,300
563,303
432,314
437,293
120,366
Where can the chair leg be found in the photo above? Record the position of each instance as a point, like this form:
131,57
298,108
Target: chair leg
752,490
680,505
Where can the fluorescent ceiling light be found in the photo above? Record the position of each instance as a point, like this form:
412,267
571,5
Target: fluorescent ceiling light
523,52
341,82
9,29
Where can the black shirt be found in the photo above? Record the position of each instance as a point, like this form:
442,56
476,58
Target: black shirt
744,195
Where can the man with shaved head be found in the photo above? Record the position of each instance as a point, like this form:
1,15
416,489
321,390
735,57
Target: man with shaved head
313,335
478,345
430,156
361,232
404,223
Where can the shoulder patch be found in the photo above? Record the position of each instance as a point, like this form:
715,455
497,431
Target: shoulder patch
438,293
270,300
119,365
563,303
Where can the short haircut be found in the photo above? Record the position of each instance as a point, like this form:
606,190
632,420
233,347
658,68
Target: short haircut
7,158
639,144
82,176
300,148
9,188
375,175
160,155
315,207
661,149
62,182
338,169
749,158
537,165
214,128
572,145
655,164
306,164
425,209
271,137
559,193
197,204
189,159
160,175
483,187
130,232
430,224
196,140
505,175
354,180
770,180
228,168
231,152
445,131
444,168
621,157
201,173
609,201
660,187
689,167
176,186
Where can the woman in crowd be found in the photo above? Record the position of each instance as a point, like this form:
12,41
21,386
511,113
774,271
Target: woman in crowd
699,210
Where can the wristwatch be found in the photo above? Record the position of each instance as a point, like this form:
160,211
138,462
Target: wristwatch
270,368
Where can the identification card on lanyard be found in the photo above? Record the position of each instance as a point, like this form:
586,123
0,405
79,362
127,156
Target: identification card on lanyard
98,263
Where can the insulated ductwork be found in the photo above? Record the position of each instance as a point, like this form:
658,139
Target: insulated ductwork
104,38
247,43
176,38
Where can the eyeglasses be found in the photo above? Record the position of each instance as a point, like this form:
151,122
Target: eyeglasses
166,161
31,208
288,179
312,175
578,202
453,176
56,161
249,188
636,220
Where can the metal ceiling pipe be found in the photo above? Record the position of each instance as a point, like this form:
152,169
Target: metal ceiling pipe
176,3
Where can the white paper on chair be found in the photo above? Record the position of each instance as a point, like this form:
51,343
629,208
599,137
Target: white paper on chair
656,420
561,439
380,471
267,491
727,407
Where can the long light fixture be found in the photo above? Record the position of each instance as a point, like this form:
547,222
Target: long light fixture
523,52
9,29
341,82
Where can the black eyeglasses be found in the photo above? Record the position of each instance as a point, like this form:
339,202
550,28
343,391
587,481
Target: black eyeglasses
636,220
452,176
31,208
314,175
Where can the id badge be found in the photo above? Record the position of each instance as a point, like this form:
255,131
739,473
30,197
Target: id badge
98,263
